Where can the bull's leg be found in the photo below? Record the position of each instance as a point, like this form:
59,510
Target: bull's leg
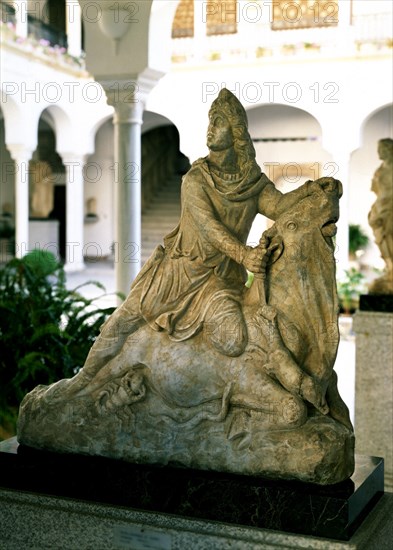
281,366
295,380
255,389
338,409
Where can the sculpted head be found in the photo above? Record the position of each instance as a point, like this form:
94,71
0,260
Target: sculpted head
228,127
317,212
385,149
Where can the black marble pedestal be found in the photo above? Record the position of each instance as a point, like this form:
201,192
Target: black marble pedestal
333,511
383,303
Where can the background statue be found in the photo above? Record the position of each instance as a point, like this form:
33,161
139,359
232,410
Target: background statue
196,369
381,216
41,189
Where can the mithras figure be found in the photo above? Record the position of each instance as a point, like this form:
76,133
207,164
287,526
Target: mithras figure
196,369
381,216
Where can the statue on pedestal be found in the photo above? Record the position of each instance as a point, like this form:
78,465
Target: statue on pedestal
381,217
41,189
195,369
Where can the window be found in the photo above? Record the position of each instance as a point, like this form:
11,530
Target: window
221,17
183,23
301,14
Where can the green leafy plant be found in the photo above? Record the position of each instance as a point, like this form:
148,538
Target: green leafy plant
46,330
358,239
349,289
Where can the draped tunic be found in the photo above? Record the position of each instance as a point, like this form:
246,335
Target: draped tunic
200,263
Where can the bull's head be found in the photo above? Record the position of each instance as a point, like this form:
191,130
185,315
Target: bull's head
317,213
301,281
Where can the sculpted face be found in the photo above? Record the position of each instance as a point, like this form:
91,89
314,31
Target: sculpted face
385,149
219,133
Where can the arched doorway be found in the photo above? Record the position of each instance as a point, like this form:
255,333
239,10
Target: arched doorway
287,142
161,162
47,204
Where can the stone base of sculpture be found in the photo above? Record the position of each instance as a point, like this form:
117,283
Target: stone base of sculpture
158,496
212,438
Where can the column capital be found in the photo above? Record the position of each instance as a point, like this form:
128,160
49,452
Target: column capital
128,96
128,111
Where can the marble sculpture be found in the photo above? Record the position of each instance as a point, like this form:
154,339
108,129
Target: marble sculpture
196,370
42,189
381,216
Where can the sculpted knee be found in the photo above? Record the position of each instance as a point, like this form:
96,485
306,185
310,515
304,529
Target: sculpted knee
229,337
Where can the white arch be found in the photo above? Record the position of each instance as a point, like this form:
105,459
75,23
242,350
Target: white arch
162,13
288,134
374,113
20,123
62,127
286,110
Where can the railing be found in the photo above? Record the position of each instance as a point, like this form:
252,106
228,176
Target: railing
42,31
373,31
7,13
35,27
373,28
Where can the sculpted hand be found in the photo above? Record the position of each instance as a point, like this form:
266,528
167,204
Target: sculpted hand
254,259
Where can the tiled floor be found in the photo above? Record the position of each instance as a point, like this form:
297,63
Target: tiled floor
103,271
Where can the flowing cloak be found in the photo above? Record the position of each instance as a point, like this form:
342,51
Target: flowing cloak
200,266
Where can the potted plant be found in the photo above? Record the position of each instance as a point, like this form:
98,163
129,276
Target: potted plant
46,330
349,289
358,240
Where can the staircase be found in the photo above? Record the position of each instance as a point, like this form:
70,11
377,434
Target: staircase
161,215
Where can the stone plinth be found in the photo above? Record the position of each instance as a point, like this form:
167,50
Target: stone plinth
334,512
38,521
374,386
44,235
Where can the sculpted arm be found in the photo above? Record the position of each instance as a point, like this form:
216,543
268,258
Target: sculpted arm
272,203
206,219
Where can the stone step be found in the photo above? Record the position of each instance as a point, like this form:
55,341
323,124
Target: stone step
161,212
152,225
161,216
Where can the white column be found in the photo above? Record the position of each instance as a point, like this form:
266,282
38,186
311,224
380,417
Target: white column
21,18
128,122
74,27
74,164
21,156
